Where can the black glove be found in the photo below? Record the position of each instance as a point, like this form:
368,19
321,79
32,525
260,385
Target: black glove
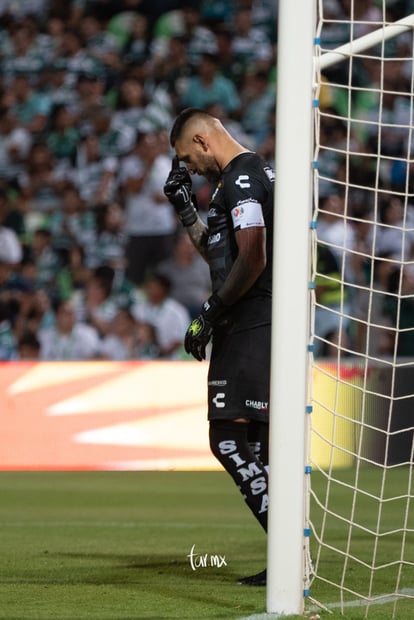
177,188
200,330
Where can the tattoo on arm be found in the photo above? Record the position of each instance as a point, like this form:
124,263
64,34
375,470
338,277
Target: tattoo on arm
199,236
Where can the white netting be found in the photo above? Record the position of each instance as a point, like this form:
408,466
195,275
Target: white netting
361,452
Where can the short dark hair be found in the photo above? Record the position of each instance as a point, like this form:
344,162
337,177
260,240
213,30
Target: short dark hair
29,339
182,119
163,280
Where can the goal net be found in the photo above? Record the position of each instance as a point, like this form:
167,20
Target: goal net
361,506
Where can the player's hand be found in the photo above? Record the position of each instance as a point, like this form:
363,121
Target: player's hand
177,188
197,337
201,329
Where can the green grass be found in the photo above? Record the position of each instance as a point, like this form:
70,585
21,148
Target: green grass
106,545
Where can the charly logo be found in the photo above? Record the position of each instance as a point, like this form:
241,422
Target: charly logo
218,400
242,181
205,560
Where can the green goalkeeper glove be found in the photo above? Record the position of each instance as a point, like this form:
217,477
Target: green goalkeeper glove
200,330
177,188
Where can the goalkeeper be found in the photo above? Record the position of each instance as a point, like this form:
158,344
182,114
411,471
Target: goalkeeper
237,244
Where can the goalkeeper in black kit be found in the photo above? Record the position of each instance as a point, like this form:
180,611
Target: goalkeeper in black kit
237,245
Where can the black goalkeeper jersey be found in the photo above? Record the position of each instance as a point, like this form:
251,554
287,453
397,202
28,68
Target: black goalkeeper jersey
243,197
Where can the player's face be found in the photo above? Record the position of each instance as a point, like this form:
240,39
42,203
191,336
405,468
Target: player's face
198,160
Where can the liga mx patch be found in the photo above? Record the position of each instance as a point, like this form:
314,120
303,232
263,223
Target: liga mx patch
247,213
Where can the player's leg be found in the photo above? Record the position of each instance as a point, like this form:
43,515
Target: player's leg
230,445
258,437
238,388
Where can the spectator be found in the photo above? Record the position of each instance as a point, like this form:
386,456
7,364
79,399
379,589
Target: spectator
28,347
250,45
100,44
15,143
22,55
79,272
259,99
98,306
8,345
94,174
105,292
230,67
63,136
130,105
68,339
209,86
335,230
111,238
169,318
373,334
11,215
362,12
41,181
35,311
399,307
115,139
150,222
52,83
62,156
19,10
73,223
173,68
87,96
46,260
394,235
128,340
30,107
136,49
330,326
186,22
188,274
11,250
78,60
200,39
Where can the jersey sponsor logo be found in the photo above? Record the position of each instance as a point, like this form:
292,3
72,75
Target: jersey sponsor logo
257,404
237,212
218,382
214,238
218,400
269,173
242,181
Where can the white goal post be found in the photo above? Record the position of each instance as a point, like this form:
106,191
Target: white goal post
341,416
290,306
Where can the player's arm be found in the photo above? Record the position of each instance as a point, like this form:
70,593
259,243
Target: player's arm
247,267
198,233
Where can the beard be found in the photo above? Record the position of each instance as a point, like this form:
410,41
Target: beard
210,170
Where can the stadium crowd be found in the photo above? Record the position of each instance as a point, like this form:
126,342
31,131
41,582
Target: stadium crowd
93,262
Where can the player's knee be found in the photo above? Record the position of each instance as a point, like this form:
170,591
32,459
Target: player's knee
223,439
215,438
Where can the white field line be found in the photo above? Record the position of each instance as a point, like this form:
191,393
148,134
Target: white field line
382,600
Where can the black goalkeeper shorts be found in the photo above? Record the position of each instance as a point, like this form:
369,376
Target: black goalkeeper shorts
239,375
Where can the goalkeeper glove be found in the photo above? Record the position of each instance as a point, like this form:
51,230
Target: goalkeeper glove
200,330
177,188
